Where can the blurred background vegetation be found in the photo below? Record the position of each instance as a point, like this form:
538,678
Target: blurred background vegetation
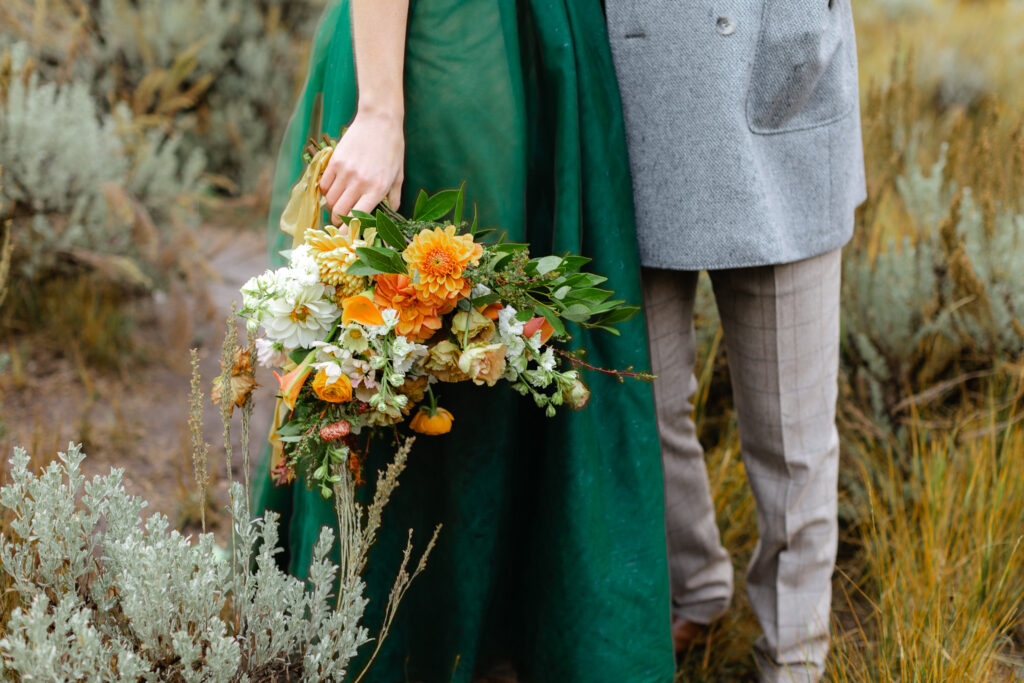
131,133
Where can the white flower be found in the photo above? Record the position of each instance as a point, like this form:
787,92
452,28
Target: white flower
515,347
331,369
405,354
508,326
390,316
479,291
547,360
270,354
304,266
325,350
300,317
360,372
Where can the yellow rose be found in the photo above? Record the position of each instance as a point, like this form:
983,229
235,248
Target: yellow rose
484,363
339,391
443,362
481,329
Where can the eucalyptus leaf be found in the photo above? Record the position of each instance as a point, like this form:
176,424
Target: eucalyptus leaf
546,264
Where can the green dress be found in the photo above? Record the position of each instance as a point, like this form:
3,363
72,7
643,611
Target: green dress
552,555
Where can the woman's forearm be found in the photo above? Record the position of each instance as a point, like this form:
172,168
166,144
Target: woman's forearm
368,163
378,32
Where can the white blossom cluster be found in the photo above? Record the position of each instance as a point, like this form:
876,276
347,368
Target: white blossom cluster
291,304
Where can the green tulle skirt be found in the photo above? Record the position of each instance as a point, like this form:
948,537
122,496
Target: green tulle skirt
552,556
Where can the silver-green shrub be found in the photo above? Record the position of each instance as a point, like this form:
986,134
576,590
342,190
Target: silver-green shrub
245,57
936,303
107,597
80,183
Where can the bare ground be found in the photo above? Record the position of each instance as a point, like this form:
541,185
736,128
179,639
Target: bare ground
135,416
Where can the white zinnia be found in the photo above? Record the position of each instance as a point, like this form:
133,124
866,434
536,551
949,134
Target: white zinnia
300,317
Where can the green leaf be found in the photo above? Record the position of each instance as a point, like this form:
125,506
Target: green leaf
436,207
552,318
476,220
562,291
421,200
361,269
591,294
460,203
523,316
577,313
366,219
546,264
574,262
389,232
619,315
381,258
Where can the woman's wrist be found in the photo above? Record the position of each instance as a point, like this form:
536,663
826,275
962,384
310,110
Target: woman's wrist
389,110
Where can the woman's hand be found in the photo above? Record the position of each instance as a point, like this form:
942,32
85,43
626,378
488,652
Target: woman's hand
367,166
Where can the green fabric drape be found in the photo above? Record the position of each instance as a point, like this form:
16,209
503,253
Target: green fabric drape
552,555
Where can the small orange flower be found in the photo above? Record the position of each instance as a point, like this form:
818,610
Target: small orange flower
339,391
440,257
362,310
416,320
491,312
432,425
291,383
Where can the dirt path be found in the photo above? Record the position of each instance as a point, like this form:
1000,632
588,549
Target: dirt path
136,417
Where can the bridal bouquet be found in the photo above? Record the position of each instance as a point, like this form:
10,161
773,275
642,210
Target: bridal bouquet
365,321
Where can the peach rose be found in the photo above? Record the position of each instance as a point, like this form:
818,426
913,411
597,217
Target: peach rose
443,362
484,363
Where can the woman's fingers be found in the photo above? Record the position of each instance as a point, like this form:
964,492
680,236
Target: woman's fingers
395,194
327,179
366,203
344,204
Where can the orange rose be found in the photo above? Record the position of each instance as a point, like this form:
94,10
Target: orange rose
339,391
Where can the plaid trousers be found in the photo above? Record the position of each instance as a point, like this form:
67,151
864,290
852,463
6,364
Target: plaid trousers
781,326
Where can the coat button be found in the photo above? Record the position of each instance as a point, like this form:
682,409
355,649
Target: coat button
726,26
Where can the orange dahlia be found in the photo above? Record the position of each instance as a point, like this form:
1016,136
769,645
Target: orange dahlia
416,320
440,256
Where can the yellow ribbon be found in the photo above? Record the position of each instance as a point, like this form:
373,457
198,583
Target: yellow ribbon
303,210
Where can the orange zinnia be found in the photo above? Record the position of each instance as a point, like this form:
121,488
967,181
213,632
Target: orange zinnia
440,256
416,320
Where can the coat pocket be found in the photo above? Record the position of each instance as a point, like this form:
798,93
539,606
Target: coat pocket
805,69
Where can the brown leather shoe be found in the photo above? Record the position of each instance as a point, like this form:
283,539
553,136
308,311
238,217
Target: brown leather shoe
685,635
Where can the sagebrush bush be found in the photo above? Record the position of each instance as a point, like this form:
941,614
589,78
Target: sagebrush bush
84,187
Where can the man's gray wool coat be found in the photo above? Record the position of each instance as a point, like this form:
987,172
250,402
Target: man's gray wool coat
744,128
